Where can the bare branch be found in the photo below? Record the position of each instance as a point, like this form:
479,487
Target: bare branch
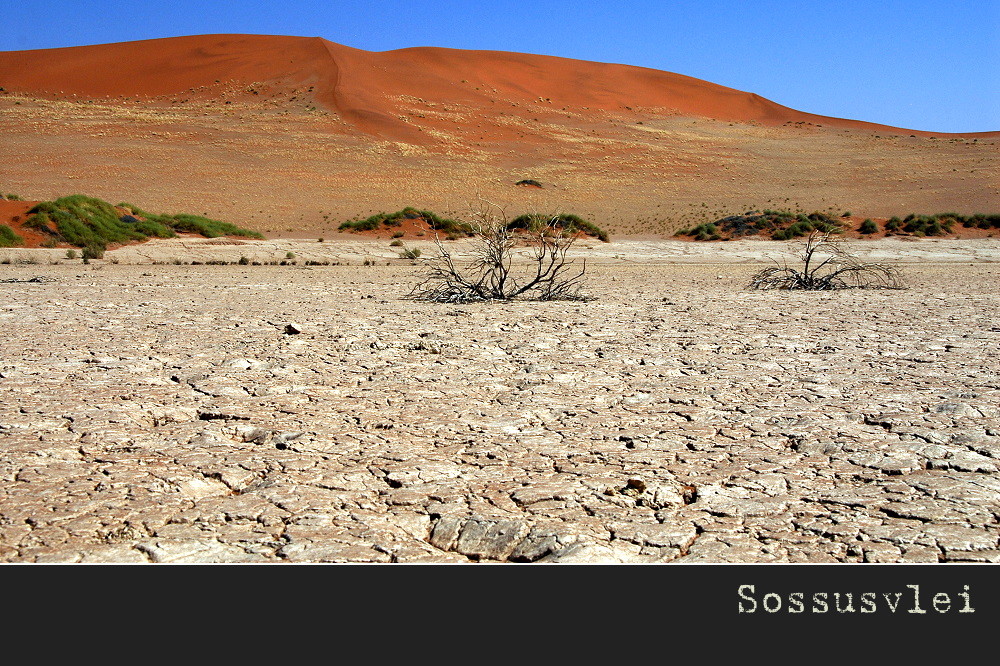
492,273
843,270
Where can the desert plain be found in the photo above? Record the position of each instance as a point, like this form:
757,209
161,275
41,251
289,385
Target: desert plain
191,413
154,408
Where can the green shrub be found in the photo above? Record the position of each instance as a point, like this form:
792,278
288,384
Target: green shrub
209,228
779,225
568,224
981,221
84,221
410,253
926,225
703,232
868,227
88,222
432,220
94,251
368,224
8,237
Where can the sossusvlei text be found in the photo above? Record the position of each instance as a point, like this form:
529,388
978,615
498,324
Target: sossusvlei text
911,601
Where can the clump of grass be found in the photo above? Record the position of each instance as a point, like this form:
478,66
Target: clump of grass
940,223
926,225
9,238
780,224
868,227
703,232
807,224
981,221
195,224
569,224
410,253
94,251
88,222
92,223
432,220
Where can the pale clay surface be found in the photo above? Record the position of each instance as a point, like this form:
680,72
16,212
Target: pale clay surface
162,413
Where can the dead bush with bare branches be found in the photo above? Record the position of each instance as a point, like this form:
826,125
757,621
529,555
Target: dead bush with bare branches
828,265
495,273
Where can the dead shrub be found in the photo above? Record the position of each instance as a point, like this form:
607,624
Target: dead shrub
839,270
494,274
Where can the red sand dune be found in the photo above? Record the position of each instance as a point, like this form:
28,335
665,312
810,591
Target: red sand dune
14,214
364,87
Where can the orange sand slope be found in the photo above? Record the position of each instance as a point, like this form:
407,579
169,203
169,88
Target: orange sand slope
366,88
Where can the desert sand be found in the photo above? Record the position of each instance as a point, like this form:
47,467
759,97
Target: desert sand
291,135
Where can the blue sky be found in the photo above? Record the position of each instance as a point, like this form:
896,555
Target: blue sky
920,64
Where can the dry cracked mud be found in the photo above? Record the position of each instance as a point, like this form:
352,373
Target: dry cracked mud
291,414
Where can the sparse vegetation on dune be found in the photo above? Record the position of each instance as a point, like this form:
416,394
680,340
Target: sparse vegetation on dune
93,224
926,225
981,221
785,225
9,238
702,232
937,224
387,220
566,224
88,222
943,223
868,227
195,224
781,225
